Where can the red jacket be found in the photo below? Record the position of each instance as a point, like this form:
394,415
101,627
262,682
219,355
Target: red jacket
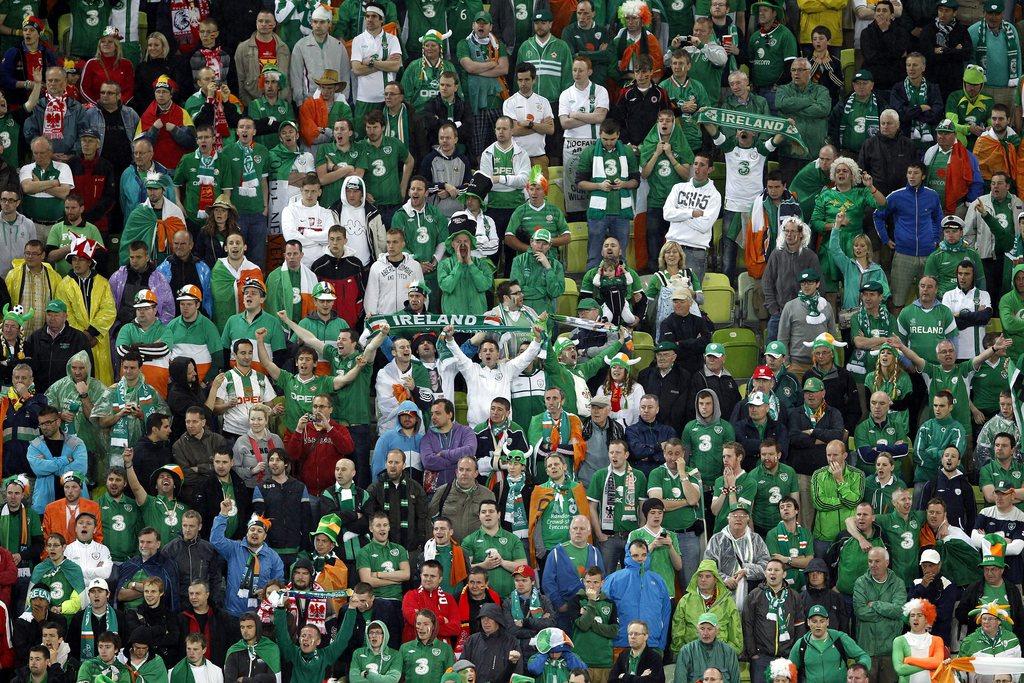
8,577
318,452
442,604
98,70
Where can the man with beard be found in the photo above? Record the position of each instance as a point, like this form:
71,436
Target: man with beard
286,502
614,284
251,563
224,483
120,515
302,610
953,488
255,657
50,456
398,495
496,436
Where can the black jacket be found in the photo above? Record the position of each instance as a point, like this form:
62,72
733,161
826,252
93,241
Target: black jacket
748,435
673,392
691,333
830,599
198,560
222,627
911,114
886,159
650,661
388,611
957,493
840,393
883,54
637,111
292,518
50,355
490,652
435,112
163,630
73,636
972,597
207,498
149,457
947,68
380,493
806,455
942,593
54,674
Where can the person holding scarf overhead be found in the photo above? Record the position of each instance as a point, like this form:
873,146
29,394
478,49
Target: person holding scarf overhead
251,563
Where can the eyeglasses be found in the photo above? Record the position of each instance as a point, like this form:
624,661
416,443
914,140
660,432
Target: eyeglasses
8,200
518,292
48,422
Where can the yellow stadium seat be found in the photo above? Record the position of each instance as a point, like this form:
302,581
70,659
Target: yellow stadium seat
847,60
631,248
567,302
576,251
64,33
143,30
995,325
643,348
556,193
498,281
719,299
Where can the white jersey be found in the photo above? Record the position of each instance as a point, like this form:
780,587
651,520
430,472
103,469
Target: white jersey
484,384
370,88
969,341
532,108
685,228
308,225
744,174
587,101
93,558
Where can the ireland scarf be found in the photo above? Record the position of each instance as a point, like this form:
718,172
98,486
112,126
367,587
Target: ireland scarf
421,322
250,179
1012,48
599,173
88,649
207,180
157,231
916,96
759,123
264,650
142,396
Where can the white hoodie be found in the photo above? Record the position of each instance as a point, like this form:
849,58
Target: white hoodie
683,199
353,219
387,288
308,225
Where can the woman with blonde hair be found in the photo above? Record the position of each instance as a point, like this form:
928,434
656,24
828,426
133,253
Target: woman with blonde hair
252,449
672,273
108,66
843,207
157,61
890,377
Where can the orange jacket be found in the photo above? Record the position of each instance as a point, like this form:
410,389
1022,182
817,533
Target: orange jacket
55,518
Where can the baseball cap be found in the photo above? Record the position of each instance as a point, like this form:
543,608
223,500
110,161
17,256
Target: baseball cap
756,398
813,384
484,16
930,555
708,618
775,348
714,349
817,611
525,570
97,583
543,15
763,372
666,346
863,75
325,291
56,306
872,286
809,275
587,304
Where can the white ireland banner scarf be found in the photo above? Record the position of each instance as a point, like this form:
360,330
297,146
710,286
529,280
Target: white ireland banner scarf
599,172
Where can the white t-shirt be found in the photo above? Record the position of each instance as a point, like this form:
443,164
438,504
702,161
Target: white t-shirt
744,171
370,88
587,100
523,109
66,177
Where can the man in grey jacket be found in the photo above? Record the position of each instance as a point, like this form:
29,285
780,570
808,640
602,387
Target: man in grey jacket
196,559
791,256
493,650
803,318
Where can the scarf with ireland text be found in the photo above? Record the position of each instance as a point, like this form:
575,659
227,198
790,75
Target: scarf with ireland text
250,179
777,607
1012,47
599,168
515,507
610,499
916,96
536,608
88,649
207,180
143,396
250,578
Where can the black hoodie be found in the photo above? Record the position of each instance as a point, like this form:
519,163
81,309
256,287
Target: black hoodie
829,598
182,395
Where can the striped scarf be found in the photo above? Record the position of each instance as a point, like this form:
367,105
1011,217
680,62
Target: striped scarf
402,488
88,650
870,122
599,198
1012,47
610,498
916,96
250,579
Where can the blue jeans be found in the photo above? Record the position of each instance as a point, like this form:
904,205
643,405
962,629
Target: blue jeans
697,261
689,548
600,228
773,327
254,229
613,552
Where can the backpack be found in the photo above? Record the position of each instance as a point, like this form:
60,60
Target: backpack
837,643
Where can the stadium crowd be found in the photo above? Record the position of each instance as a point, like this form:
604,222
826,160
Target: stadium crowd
566,341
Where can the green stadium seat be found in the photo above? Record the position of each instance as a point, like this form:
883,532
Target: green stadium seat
742,352
556,193
719,299
643,348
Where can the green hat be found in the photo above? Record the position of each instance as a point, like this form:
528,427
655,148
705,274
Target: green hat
329,526
863,75
542,235
543,15
945,126
72,476
995,556
776,348
287,122
809,275
484,16
974,74
562,343
817,611
993,7
739,507
1003,486
714,349
587,304
153,180
813,384
770,5
56,306
324,290
708,618
666,346
872,286
514,455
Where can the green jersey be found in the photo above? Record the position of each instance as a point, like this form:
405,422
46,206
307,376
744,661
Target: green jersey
554,65
744,494
705,72
992,473
482,92
479,544
661,558
421,80
187,175
239,327
987,383
245,170
383,557
15,12
426,662
630,488
164,515
611,165
922,329
665,173
424,230
60,237
969,111
461,16
10,140
527,219
96,668
936,177
798,543
262,110
337,157
299,393
954,381
10,529
88,20
870,433
857,122
703,442
121,517
902,539
558,513
422,16
690,91
587,42
384,164
769,489
769,54
670,487
594,630
350,404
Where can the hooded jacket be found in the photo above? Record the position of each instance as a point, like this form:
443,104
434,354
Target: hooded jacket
63,395
724,386
538,663
490,652
366,229
703,438
640,593
380,666
692,605
829,598
388,284
696,657
395,438
1011,308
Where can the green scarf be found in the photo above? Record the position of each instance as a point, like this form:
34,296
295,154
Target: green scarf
403,501
515,507
145,401
250,179
610,498
1012,47
555,670
182,672
920,131
810,302
264,649
397,126
599,198
864,320
88,650
536,608
777,606
250,579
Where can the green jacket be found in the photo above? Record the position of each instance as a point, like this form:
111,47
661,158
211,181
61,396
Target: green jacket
1011,312
847,561
541,286
573,381
691,606
819,661
368,666
977,642
933,437
807,184
464,287
879,611
834,503
942,264
595,629
810,108
695,658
